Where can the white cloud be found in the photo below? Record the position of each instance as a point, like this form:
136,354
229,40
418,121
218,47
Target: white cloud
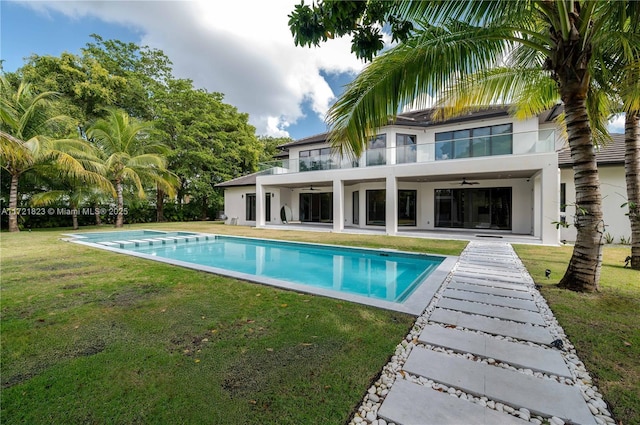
616,125
241,48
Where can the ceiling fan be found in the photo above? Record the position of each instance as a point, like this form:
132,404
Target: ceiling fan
465,182
311,188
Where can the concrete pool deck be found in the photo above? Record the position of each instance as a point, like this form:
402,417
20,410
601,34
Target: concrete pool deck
487,350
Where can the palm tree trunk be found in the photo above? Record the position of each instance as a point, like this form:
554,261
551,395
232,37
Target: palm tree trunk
159,205
632,174
74,218
120,216
13,204
583,272
96,212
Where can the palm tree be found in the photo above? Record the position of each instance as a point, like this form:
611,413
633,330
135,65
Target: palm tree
25,120
461,38
130,156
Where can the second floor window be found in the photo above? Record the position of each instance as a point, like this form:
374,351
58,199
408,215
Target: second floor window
475,142
377,150
405,148
316,159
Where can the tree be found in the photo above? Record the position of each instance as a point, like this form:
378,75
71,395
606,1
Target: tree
130,156
456,39
210,140
632,176
26,143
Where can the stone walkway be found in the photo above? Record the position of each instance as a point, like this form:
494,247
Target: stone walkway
486,351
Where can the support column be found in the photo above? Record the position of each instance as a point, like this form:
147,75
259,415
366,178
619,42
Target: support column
338,206
259,205
391,212
550,204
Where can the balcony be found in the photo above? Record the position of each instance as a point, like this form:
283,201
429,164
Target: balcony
525,143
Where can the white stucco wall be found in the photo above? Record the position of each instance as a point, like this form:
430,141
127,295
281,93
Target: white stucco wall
532,175
614,194
235,199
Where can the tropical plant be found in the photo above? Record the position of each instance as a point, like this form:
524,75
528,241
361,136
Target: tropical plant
131,156
25,142
455,39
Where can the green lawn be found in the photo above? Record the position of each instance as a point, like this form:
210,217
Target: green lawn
604,327
89,336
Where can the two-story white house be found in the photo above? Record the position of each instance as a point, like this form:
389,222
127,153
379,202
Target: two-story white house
486,172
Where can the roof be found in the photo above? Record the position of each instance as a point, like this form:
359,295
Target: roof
318,138
248,180
612,153
423,118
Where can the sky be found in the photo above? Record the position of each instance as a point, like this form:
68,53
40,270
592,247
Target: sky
241,48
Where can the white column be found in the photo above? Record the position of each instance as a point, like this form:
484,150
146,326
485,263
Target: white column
259,205
550,204
391,213
338,206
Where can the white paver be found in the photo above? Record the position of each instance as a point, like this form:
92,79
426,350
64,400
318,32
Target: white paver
538,395
491,299
488,270
524,356
412,404
507,313
492,280
485,289
492,326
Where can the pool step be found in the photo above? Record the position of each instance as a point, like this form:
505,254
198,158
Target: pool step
157,241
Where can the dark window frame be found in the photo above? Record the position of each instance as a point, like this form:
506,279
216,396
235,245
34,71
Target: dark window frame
455,144
250,206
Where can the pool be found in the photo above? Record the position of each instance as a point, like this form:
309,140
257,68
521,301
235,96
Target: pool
384,278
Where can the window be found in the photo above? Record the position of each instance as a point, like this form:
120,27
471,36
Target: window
316,159
250,206
481,208
407,207
475,142
377,150
405,148
376,205
356,207
316,207
267,207
563,197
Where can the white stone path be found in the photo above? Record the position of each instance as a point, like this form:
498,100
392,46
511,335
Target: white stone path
482,354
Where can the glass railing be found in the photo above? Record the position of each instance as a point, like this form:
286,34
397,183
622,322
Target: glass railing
524,143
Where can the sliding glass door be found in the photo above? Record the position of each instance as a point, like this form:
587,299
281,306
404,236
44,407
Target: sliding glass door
480,208
316,207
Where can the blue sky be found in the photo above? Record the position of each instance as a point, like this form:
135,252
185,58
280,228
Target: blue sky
244,50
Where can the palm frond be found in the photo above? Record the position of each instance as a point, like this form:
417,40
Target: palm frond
422,65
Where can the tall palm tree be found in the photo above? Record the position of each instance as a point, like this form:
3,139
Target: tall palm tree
131,156
460,38
26,121
615,89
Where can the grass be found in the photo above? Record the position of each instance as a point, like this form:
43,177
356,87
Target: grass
604,327
94,337
89,336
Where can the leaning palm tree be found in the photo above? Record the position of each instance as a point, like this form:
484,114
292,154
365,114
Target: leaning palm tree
461,38
26,121
130,156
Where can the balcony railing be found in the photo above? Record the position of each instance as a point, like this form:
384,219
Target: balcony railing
524,143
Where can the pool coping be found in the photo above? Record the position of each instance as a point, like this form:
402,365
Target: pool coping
414,304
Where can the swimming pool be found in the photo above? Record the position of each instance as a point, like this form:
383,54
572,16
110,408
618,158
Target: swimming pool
388,279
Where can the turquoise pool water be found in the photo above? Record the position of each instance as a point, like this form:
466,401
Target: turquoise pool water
388,276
